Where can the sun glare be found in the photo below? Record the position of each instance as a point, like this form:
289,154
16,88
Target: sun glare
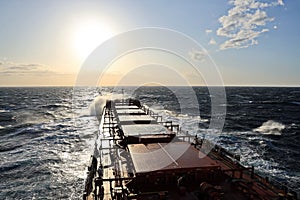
88,35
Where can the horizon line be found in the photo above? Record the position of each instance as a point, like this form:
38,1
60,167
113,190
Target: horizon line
45,86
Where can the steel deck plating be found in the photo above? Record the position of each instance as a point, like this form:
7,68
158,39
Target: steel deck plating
139,156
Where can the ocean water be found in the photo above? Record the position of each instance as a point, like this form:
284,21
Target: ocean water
47,134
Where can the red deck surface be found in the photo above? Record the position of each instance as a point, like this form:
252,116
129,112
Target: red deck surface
166,156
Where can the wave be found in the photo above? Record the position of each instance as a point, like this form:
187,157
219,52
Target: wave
270,127
96,107
3,111
40,134
54,106
9,147
7,117
296,103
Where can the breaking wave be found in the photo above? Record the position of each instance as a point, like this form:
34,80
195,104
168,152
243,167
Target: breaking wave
45,146
96,107
270,127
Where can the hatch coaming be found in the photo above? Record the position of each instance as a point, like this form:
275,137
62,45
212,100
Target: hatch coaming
139,156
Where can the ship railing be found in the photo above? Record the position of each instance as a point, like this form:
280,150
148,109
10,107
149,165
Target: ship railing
270,183
275,186
187,138
92,168
172,127
151,113
220,150
232,172
239,172
227,153
231,157
197,141
99,181
168,124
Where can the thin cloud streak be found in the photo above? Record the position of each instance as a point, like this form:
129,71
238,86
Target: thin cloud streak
8,68
208,31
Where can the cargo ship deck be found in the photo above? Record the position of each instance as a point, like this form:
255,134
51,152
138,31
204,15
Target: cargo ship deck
139,156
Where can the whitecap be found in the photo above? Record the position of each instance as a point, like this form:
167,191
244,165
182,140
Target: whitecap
97,105
296,103
270,127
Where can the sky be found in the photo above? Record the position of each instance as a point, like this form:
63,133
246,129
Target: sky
250,42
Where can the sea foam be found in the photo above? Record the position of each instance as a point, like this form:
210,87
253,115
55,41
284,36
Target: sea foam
270,127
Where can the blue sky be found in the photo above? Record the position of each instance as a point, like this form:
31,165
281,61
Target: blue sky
252,42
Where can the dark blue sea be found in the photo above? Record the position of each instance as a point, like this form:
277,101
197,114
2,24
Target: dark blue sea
47,134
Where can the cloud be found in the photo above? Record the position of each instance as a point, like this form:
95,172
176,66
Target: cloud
8,68
212,41
208,31
198,55
32,74
244,23
280,2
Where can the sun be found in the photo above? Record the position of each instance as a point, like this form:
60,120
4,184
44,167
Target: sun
88,35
